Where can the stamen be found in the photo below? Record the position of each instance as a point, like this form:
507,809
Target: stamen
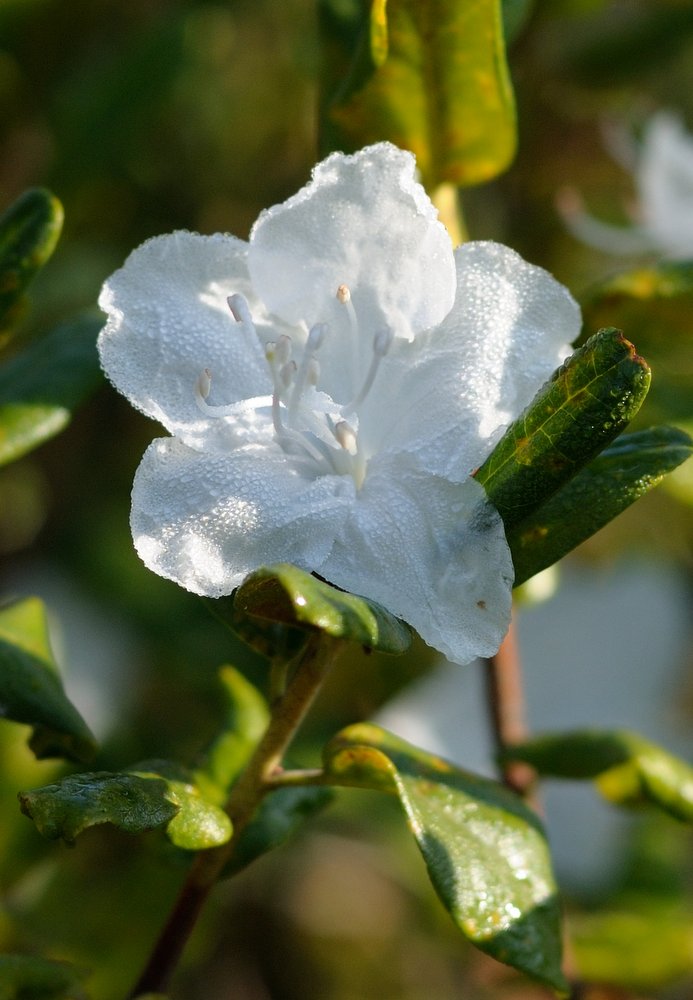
313,343
344,293
381,345
287,373
346,437
240,310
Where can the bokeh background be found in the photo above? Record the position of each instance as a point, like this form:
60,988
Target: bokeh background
144,116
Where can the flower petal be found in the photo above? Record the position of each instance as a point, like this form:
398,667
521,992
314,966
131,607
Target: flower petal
665,182
168,320
432,552
448,396
207,520
365,222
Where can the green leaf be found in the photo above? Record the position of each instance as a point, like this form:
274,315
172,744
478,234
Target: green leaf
281,814
655,305
289,596
630,769
134,801
30,687
246,720
41,387
26,977
485,851
616,478
29,231
581,409
441,90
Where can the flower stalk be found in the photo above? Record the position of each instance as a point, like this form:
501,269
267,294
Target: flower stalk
253,784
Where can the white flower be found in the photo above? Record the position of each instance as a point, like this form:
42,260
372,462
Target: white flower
662,167
331,386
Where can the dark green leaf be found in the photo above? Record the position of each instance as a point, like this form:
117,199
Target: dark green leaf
246,720
443,90
622,473
485,851
30,687
289,596
281,814
133,801
515,15
630,769
26,977
655,305
40,388
29,231
581,409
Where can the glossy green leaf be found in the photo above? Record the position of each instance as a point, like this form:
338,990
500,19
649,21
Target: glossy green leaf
41,387
133,801
280,816
29,231
630,769
443,90
622,473
655,305
246,719
485,850
289,596
581,409
27,977
30,687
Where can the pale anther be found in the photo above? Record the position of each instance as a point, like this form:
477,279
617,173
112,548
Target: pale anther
282,351
204,383
346,437
315,337
343,293
240,310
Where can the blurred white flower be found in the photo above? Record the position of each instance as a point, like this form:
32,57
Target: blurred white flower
662,167
331,386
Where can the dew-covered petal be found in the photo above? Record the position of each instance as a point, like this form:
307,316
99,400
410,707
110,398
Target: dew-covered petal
432,552
207,520
362,221
168,319
665,183
448,396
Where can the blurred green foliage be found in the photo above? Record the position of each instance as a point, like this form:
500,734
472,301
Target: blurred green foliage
143,116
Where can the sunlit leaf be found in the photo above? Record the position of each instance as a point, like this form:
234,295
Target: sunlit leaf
443,90
581,409
289,596
485,851
42,386
27,977
629,769
29,231
133,801
246,718
622,473
30,687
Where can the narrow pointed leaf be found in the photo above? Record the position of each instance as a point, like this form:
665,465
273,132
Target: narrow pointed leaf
581,409
246,719
289,596
442,90
30,687
485,851
133,801
29,231
280,816
41,387
27,977
616,478
630,769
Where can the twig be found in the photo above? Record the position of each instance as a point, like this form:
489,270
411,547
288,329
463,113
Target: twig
244,799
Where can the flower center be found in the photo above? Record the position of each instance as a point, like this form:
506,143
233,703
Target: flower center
307,424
